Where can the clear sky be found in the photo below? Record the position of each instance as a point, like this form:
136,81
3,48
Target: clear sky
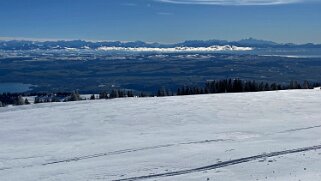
167,21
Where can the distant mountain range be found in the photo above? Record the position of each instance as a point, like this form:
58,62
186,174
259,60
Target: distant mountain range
80,44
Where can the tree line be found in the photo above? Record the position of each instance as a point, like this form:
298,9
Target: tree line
238,85
210,87
12,99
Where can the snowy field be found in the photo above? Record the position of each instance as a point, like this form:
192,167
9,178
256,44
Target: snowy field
243,136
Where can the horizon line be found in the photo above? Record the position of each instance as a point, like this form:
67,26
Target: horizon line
4,38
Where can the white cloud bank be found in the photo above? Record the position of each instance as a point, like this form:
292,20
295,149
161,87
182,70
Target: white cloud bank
178,49
232,2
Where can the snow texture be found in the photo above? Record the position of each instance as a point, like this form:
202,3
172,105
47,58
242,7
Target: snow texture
241,136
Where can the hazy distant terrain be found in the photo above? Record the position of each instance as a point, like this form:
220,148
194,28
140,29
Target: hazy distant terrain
98,66
92,71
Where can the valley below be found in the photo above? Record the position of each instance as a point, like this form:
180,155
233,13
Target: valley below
96,71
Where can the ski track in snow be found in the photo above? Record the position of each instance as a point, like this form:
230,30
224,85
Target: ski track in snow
223,164
117,153
132,150
75,159
299,129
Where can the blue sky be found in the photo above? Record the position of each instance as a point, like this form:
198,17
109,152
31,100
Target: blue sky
167,21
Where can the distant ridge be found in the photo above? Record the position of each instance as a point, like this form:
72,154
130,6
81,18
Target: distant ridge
81,44
252,41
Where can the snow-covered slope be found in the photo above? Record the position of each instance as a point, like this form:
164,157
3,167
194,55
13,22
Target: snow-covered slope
245,136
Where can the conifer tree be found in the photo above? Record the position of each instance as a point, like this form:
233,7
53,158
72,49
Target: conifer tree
26,101
74,96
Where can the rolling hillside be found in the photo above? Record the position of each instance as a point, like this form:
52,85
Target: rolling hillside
242,136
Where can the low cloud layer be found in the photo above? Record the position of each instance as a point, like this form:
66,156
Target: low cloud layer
232,2
179,49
